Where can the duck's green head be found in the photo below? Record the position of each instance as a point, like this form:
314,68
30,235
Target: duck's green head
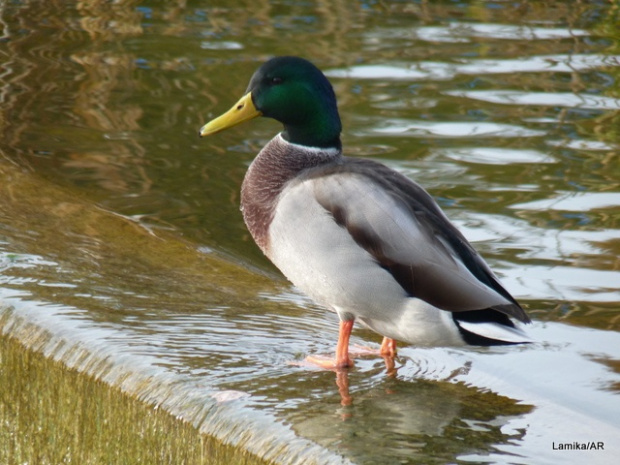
296,93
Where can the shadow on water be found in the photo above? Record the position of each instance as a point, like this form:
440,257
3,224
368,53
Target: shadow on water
126,271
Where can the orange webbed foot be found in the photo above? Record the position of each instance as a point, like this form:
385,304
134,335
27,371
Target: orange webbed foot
329,363
342,359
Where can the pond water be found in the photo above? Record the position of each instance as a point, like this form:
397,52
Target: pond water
123,253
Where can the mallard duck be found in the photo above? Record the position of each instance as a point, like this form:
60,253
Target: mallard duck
356,236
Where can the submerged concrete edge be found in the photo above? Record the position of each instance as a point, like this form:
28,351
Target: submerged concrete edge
44,329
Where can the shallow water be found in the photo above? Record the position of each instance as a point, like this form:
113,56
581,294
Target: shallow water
123,253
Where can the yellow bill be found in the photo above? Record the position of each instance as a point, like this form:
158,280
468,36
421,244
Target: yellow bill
243,110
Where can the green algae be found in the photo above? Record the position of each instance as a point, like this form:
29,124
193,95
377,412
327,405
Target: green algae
53,415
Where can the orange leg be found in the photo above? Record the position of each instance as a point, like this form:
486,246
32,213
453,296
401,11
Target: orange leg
342,350
388,347
388,352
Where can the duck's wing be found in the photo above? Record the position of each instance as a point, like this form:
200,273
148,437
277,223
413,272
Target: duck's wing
401,226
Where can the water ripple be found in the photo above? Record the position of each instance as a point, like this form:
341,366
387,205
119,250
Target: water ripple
496,155
426,70
463,32
559,99
573,202
462,129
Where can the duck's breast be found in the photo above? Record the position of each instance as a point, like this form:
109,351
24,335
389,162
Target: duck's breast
321,257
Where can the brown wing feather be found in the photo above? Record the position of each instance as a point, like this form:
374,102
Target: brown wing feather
435,278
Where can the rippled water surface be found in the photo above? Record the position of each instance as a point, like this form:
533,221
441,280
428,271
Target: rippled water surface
123,253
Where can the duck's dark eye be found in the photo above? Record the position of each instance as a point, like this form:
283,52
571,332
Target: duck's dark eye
275,81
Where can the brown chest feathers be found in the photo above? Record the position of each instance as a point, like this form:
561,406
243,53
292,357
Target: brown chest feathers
277,164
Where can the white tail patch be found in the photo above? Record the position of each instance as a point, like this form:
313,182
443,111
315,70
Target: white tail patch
496,331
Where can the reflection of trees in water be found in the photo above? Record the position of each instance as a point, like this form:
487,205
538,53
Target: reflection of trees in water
109,96
75,86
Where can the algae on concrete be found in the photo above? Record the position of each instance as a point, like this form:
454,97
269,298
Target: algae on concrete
53,415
